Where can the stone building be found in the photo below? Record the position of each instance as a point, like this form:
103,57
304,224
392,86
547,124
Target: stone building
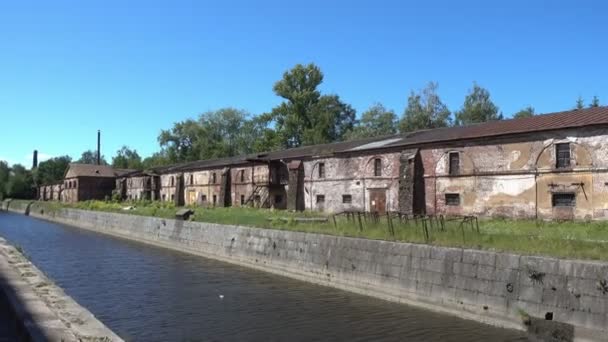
552,166
138,185
89,181
50,192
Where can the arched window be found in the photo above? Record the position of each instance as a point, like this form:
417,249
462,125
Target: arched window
377,167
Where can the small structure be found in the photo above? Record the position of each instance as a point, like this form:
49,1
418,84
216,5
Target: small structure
89,181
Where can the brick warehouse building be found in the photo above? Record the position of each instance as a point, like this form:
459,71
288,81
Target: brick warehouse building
547,166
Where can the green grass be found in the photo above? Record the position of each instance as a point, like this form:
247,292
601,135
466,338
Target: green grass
579,240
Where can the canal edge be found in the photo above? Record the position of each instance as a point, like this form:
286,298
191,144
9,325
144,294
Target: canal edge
43,311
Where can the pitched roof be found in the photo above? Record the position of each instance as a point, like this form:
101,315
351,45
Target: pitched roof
91,170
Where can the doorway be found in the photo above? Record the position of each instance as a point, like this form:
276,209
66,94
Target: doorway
377,200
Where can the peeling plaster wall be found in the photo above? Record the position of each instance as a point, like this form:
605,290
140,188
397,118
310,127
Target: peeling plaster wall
353,175
517,177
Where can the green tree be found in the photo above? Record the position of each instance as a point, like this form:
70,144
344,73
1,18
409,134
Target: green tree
51,170
307,117
90,157
375,121
5,171
477,107
524,113
156,160
580,103
595,102
127,159
425,110
20,183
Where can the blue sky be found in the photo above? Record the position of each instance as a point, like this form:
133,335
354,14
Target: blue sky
132,68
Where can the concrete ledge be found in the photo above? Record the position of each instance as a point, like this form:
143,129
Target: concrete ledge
43,310
489,287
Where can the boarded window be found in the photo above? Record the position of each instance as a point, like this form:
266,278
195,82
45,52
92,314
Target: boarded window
242,199
320,198
278,199
377,167
214,199
562,153
347,199
321,170
564,200
452,199
454,163
213,178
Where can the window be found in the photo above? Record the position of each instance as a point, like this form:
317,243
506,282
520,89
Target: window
242,199
278,199
242,176
257,198
347,199
321,170
172,181
213,178
164,197
214,199
454,163
377,167
562,155
320,198
203,198
452,199
564,200
173,197
191,179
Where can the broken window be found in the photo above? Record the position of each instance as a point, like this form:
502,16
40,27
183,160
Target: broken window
172,181
321,170
203,198
242,199
191,179
564,199
214,199
242,176
377,167
452,199
213,178
347,199
320,198
454,163
164,197
173,197
562,154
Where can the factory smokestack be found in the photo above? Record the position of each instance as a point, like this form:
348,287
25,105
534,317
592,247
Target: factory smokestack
98,147
35,160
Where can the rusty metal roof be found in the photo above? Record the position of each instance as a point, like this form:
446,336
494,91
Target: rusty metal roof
90,170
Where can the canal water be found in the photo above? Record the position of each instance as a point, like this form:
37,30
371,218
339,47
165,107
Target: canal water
145,293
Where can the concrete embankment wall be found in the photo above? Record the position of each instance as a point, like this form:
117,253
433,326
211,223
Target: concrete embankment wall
490,287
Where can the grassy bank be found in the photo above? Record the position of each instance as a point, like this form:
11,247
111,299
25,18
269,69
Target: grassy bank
578,240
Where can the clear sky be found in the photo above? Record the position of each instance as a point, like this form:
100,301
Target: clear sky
132,68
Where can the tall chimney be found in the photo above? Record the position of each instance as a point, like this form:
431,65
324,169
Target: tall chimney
98,147
35,161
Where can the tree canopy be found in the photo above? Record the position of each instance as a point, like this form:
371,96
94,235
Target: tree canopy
524,113
126,158
595,102
90,157
477,108
51,170
306,117
425,110
375,121
580,103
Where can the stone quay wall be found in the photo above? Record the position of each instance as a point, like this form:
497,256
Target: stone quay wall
508,290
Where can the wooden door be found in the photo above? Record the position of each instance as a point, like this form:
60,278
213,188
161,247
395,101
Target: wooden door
377,200
191,197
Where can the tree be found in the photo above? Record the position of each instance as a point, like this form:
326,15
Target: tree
51,170
524,113
375,121
306,117
90,157
477,107
127,159
595,102
155,160
5,171
20,183
425,110
580,103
